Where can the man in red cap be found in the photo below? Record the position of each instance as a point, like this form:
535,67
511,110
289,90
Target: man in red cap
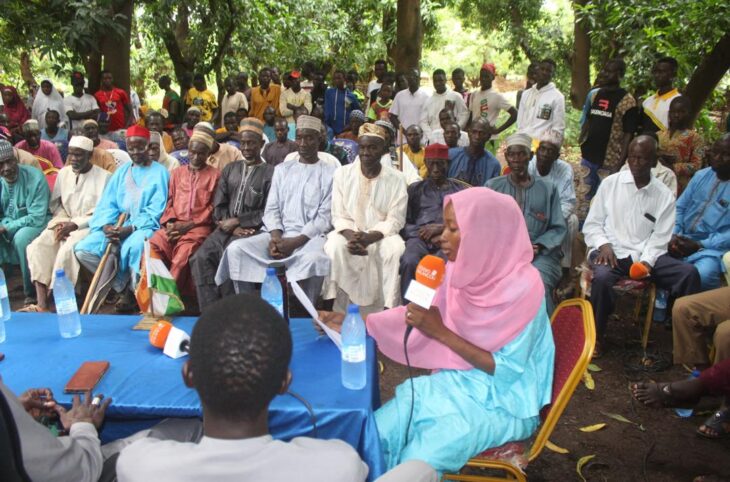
486,103
294,97
425,218
137,190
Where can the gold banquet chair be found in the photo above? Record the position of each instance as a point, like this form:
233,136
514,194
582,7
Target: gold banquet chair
574,333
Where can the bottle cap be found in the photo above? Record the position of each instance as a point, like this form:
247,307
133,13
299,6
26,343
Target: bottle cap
60,272
270,271
695,374
353,309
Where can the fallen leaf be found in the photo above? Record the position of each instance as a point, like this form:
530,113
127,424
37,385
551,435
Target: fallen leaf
588,380
593,428
594,368
581,462
620,418
555,448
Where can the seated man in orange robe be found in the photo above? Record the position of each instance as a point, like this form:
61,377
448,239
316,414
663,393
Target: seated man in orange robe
188,217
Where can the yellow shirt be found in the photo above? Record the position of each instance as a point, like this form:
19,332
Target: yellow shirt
205,101
418,159
260,100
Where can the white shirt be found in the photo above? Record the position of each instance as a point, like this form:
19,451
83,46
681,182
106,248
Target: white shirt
437,137
663,173
261,458
638,223
561,175
435,104
487,104
408,106
541,110
84,103
231,103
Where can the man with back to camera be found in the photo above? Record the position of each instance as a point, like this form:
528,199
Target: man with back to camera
240,352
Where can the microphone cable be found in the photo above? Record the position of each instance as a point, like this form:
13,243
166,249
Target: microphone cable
410,378
310,410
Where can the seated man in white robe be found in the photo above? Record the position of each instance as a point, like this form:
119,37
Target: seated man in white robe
77,191
369,202
547,165
296,219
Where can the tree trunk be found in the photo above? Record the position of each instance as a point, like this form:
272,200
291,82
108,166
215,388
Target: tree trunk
708,74
389,21
409,36
580,81
116,49
92,64
26,68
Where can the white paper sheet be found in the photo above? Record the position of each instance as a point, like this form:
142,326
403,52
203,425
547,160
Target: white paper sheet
332,334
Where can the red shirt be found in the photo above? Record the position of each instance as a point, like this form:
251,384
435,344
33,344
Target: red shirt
113,102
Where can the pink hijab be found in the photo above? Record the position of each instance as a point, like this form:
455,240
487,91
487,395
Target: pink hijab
489,294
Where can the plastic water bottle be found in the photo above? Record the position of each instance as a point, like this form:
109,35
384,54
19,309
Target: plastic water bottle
69,323
271,291
354,352
4,305
660,305
687,412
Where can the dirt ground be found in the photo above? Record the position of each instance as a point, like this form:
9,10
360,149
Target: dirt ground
667,449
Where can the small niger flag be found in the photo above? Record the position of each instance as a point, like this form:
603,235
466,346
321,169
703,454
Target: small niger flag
157,291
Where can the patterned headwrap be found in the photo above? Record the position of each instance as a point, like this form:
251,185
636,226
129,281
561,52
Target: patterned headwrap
202,137
372,130
6,150
520,140
309,122
251,124
31,125
357,114
553,137
82,142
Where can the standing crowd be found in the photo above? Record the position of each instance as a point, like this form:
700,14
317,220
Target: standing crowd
345,190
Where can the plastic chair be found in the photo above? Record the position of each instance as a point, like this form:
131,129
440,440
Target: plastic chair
574,333
637,289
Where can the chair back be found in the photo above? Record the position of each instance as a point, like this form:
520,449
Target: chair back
574,333
11,459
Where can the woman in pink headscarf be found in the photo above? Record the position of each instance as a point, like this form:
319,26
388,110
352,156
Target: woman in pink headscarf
487,336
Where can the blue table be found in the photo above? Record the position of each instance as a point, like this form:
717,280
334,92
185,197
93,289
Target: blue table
146,386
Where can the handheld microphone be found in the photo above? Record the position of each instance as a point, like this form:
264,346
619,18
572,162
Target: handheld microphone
422,290
174,342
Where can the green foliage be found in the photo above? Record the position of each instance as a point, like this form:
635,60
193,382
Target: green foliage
641,31
61,30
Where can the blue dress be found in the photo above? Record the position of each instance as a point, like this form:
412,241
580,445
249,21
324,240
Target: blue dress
139,191
460,413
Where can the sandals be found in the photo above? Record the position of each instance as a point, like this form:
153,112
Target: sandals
32,308
719,423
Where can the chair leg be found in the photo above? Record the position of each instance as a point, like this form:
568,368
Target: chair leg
649,317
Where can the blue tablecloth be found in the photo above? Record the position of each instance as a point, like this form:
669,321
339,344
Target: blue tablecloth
146,386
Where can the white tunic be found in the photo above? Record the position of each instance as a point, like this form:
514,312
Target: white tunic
73,199
362,204
299,202
430,112
541,110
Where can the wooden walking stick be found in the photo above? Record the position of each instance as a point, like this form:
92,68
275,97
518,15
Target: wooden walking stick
400,148
97,275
